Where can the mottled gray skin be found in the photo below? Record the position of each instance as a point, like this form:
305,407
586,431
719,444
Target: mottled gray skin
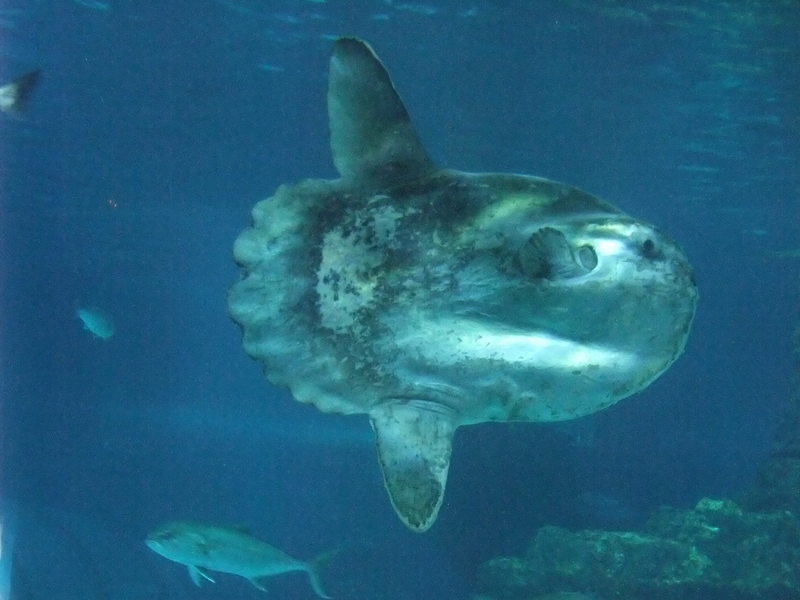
432,298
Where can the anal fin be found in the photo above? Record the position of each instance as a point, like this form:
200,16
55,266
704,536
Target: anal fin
414,444
257,584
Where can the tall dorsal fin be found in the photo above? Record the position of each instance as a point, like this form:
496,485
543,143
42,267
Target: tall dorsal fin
372,139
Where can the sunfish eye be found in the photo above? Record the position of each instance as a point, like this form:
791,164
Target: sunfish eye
649,249
587,257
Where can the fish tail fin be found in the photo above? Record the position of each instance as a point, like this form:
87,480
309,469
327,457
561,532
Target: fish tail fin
316,584
322,561
313,569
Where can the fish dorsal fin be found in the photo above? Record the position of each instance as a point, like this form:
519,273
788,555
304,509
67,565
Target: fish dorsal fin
372,139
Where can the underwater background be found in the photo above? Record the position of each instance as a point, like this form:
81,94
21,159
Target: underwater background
155,128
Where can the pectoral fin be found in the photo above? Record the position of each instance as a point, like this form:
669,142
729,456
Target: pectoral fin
196,573
414,444
547,254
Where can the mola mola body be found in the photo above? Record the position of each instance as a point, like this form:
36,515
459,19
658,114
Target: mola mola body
430,298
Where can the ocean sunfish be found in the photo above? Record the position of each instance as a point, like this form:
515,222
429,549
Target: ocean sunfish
430,298
209,547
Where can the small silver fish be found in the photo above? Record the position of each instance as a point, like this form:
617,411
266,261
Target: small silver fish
14,96
201,547
96,322
7,526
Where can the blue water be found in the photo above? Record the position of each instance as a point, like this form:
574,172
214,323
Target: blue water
157,126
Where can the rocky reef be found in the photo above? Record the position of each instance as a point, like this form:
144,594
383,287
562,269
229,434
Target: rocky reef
719,550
